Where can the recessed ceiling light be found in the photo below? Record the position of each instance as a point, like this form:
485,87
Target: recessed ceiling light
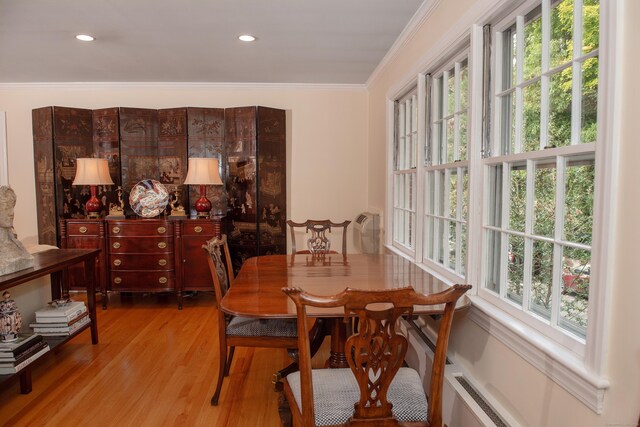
246,38
85,38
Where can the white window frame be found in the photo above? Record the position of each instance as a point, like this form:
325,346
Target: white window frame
583,375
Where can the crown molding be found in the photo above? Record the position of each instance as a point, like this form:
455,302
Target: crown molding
421,15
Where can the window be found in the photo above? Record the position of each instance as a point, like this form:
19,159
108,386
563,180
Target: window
540,172
404,171
447,178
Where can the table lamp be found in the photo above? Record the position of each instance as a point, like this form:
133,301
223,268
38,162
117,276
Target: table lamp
92,172
203,171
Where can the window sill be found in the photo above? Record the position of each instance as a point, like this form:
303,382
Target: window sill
552,359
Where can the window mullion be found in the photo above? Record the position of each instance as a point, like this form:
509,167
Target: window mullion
495,145
576,78
557,248
446,213
520,25
459,218
528,242
545,80
456,116
504,240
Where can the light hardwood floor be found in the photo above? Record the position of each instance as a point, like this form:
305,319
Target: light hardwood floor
154,366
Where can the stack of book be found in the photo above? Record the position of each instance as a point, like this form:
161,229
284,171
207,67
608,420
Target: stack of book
14,356
62,320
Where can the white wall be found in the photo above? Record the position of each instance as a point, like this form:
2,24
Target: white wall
326,144
326,140
531,397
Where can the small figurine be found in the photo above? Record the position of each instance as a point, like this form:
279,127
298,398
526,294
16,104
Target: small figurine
10,319
116,210
176,208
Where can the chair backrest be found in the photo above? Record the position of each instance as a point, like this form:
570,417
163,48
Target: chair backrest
220,265
318,243
376,351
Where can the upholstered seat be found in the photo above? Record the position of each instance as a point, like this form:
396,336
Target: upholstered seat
250,327
335,392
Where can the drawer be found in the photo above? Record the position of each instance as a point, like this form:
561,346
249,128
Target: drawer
141,262
142,280
140,228
197,228
147,245
86,228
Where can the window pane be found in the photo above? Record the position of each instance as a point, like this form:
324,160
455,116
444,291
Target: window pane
493,244
463,249
517,197
453,194
531,118
561,43
436,139
515,269
542,278
440,192
560,109
452,245
462,148
441,233
509,58
544,207
464,86
450,140
508,129
465,194
451,98
532,48
590,25
576,275
578,209
430,193
494,191
430,237
589,119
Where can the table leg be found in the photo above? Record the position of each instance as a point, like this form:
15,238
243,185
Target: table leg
25,381
89,276
56,285
337,358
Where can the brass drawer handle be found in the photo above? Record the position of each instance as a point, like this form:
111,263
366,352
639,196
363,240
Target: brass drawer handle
116,245
162,245
117,262
162,262
163,280
83,229
162,230
197,229
117,280
115,230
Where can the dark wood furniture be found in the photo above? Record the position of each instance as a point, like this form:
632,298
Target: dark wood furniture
85,234
256,291
54,262
142,255
375,354
318,242
238,330
256,182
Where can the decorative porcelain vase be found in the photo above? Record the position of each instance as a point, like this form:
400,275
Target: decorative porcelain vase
10,319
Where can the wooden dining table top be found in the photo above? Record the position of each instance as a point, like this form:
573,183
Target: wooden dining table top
257,290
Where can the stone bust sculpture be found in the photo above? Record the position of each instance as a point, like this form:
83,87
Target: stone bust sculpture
13,256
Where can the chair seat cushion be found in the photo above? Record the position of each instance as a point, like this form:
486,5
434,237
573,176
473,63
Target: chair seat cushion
335,391
251,327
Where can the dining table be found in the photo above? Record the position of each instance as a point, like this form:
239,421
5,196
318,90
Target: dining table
257,289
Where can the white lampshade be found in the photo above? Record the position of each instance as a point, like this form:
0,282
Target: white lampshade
92,172
203,171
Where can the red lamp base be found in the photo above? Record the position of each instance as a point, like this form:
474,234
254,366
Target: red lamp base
93,205
203,205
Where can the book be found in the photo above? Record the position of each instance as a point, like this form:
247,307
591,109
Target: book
65,330
23,343
18,367
23,356
59,324
61,314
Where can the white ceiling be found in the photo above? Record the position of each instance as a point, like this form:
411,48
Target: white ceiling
298,41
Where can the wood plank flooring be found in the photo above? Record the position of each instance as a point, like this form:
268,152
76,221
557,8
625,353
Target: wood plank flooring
154,366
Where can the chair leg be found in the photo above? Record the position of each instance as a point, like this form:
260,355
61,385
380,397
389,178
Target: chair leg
227,368
221,372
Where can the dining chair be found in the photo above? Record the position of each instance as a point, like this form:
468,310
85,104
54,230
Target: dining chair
375,389
241,331
318,243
